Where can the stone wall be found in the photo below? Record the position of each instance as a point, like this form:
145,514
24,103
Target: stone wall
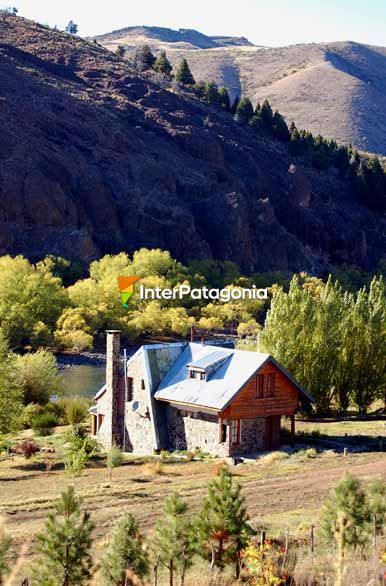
195,430
252,434
139,434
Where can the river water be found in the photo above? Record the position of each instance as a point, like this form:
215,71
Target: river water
83,380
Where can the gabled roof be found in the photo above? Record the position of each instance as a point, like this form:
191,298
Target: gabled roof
222,385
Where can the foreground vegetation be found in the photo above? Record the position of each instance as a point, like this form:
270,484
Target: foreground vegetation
209,533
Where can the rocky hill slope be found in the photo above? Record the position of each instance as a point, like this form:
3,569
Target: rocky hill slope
95,158
337,89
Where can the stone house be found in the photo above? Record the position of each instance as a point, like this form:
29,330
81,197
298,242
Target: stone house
184,396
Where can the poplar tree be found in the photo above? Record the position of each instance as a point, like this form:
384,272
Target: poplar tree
65,546
125,555
174,538
183,74
222,526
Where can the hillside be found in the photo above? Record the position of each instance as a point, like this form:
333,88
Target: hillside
337,89
95,158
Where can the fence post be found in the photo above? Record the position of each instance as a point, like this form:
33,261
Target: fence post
312,539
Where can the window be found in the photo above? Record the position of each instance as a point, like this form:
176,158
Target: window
223,433
202,375
265,385
129,396
270,385
235,432
191,374
142,384
260,386
197,374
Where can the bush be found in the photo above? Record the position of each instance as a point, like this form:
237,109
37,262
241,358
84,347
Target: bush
78,439
43,423
114,458
37,374
76,410
273,457
27,448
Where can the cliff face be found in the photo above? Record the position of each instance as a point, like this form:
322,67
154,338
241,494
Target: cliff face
96,159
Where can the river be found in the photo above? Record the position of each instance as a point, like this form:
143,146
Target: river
83,380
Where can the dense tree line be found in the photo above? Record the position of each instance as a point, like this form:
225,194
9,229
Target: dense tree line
331,338
332,341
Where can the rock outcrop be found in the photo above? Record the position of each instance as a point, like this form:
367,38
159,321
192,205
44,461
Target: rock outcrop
95,159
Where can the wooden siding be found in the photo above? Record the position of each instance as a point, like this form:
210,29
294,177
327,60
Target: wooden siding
284,402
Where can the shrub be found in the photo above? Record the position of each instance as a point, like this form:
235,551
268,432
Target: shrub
114,458
76,410
78,439
38,376
43,423
273,457
27,448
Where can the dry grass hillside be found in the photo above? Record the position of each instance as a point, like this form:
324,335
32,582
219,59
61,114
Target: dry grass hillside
337,89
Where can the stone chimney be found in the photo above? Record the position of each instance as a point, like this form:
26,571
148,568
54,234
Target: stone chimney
113,344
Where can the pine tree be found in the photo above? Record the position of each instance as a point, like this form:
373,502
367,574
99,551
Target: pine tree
144,58
266,114
244,111
224,99
348,498
199,89
72,28
211,92
174,539
377,504
222,526
279,127
125,554
183,74
295,146
235,105
120,51
65,545
162,64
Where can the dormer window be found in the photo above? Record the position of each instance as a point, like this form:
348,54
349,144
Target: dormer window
203,368
197,374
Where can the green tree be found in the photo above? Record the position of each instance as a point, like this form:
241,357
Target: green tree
120,51
125,555
376,491
162,64
65,546
114,459
38,376
30,295
211,93
222,526
267,114
144,58
279,127
349,498
235,106
244,111
11,393
72,28
224,100
173,539
183,74
75,410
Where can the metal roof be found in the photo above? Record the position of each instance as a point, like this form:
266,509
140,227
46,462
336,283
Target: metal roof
222,386
209,360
